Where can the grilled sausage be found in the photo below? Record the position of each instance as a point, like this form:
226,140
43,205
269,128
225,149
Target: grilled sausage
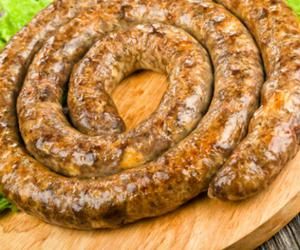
273,137
151,189
46,131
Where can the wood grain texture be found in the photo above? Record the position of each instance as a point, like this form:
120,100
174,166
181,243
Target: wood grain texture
200,224
286,239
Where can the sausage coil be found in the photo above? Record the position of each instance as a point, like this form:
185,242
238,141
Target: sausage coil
88,172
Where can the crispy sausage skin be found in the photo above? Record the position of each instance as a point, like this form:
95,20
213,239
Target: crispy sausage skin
137,177
273,137
46,131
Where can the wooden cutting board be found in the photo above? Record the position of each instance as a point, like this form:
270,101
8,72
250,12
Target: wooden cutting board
200,224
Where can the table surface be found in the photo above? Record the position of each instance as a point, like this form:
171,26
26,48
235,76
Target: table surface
287,239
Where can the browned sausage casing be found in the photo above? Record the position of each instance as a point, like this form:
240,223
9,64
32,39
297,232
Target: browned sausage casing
40,59
273,137
46,131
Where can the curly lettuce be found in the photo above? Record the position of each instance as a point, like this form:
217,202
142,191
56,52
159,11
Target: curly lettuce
14,14
5,204
295,5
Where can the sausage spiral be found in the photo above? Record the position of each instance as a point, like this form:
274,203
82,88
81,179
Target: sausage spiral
99,175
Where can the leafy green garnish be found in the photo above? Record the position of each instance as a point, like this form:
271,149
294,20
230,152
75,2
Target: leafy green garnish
5,204
14,14
295,5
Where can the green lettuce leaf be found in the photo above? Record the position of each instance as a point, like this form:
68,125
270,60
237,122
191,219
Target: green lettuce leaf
295,5
15,14
5,204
